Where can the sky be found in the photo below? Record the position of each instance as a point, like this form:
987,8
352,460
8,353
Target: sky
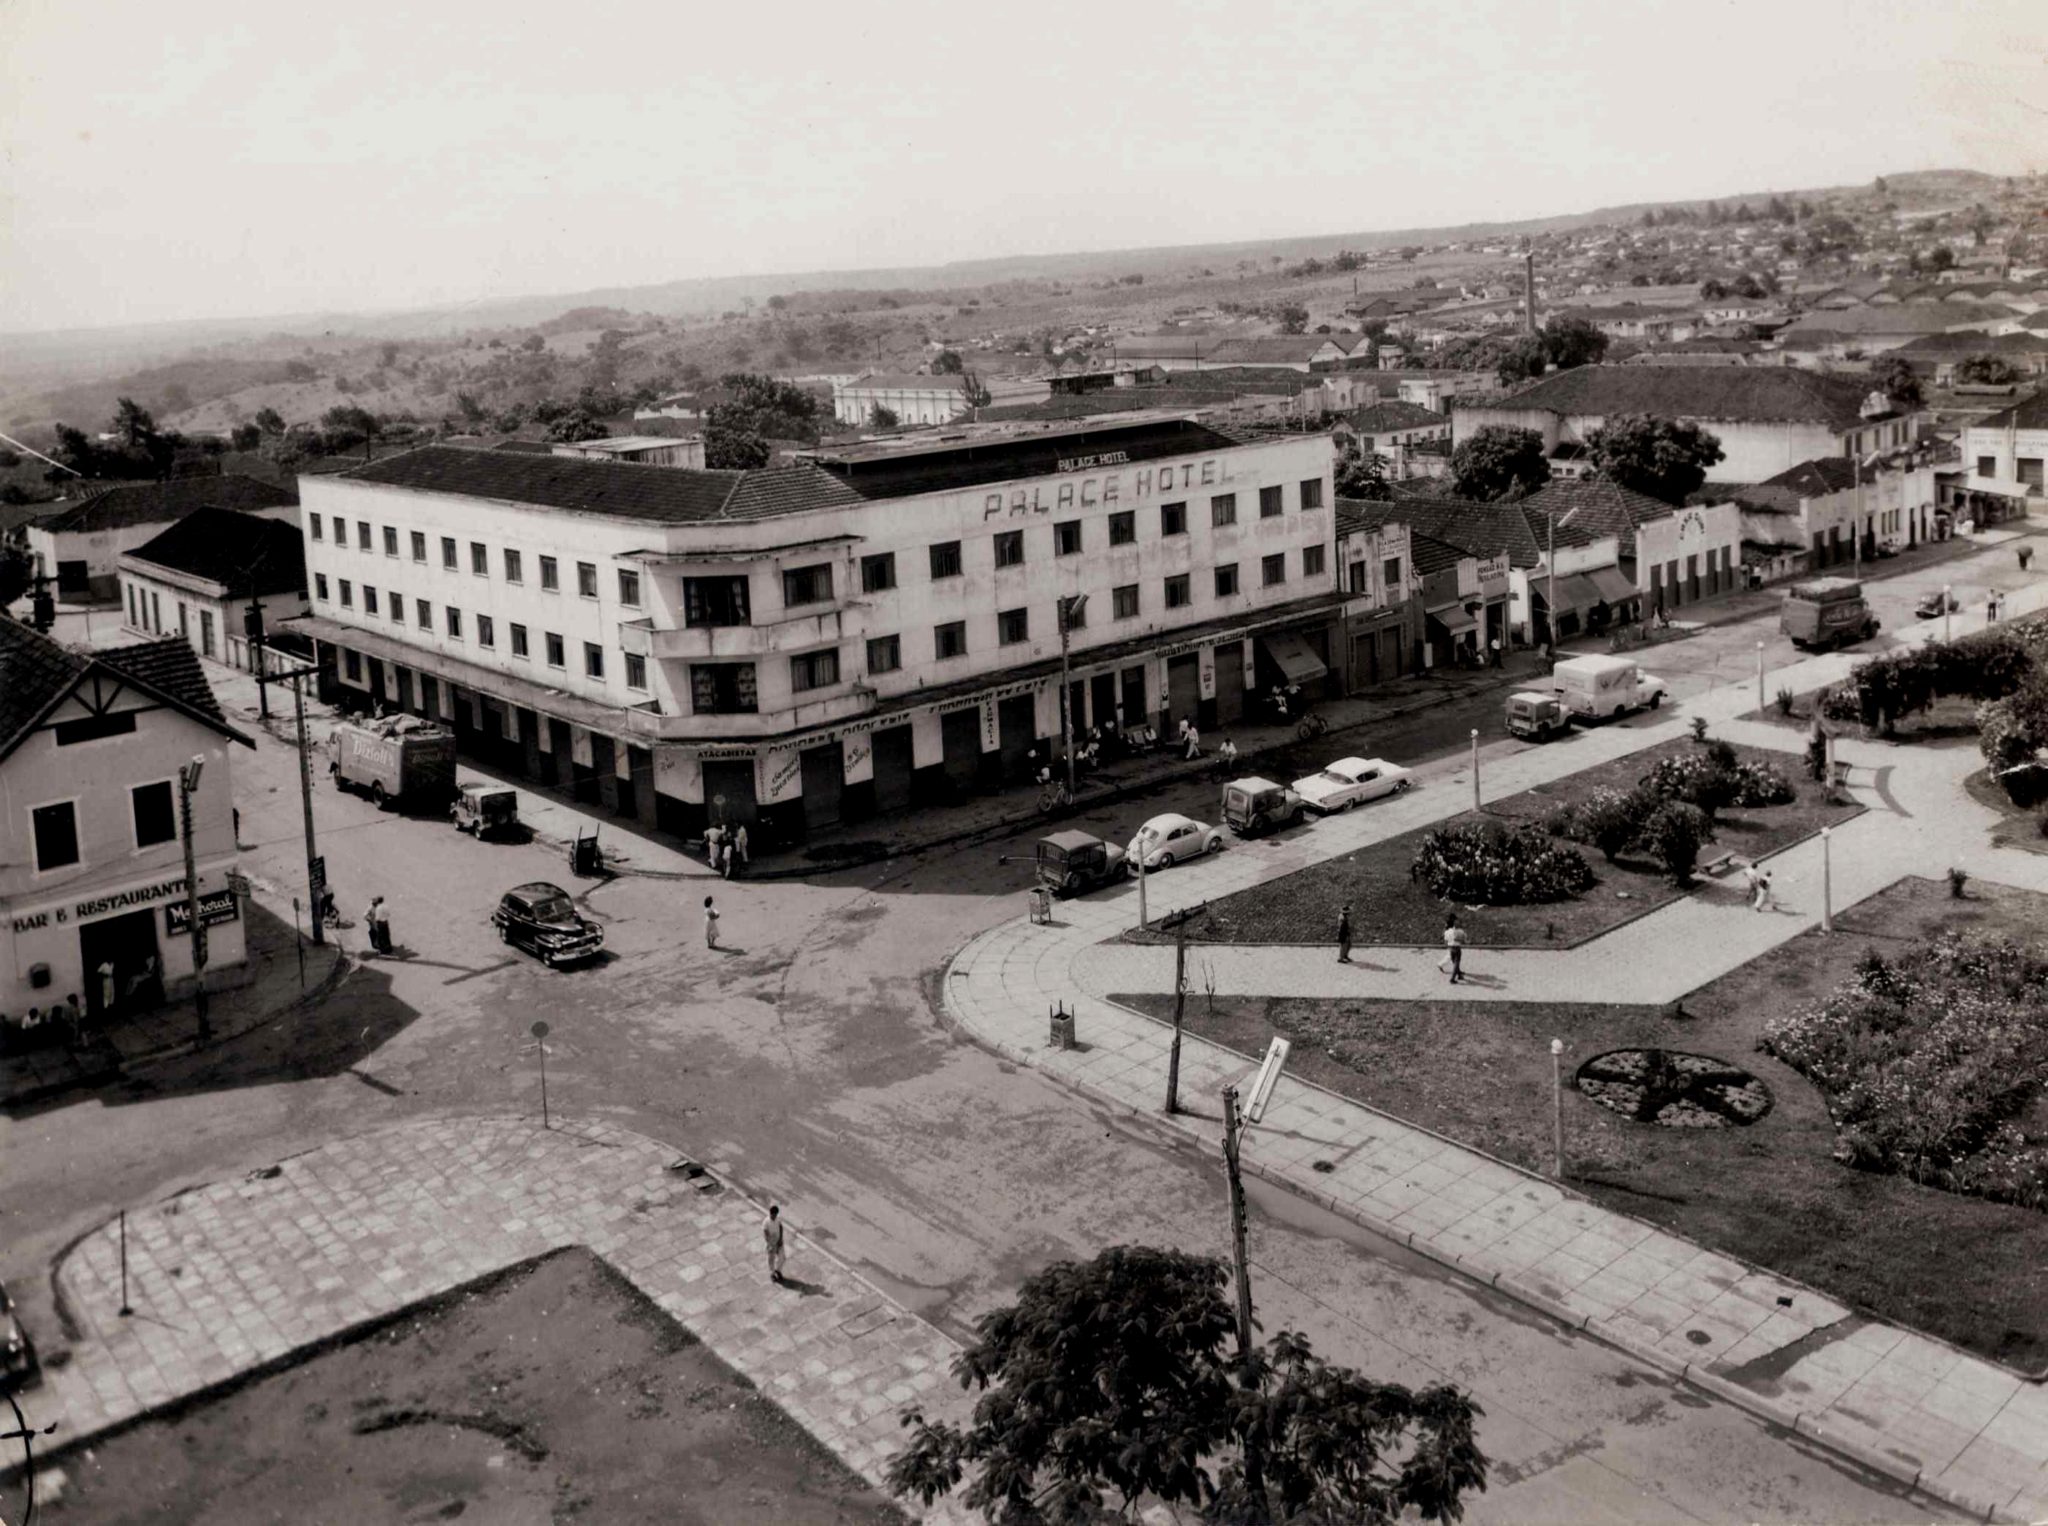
227,158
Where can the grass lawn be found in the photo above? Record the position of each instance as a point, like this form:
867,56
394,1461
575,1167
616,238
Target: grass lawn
1388,907
552,1392
2024,827
1971,1271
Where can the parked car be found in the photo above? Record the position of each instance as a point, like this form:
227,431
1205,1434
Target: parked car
541,919
485,810
1930,605
1541,716
18,1364
1071,862
1171,839
1351,781
1252,807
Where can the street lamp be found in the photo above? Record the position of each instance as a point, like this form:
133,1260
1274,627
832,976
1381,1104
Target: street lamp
188,784
1475,768
1759,677
1557,1108
1948,599
1827,880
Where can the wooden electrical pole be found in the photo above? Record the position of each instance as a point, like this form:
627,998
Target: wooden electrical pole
1180,1000
1254,1468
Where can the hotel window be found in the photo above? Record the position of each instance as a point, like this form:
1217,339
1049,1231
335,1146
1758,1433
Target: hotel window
1390,574
1010,548
807,585
586,579
155,812
1360,583
946,559
1066,538
636,671
558,655
1179,594
1312,493
1226,581
317,535
1273,569
448,552
885,654
878,573
419,546
454,622
550,575
1270,504
723,688
486,631
56,833
320,586
390,540
629,588
1076,612
1312,562
369,600
1013,626
352,664
362,535
398,608
950,639
1123,528
519,641
348,601
593,660
1223,509
423,614
514,573
479,559
1123,602
814,670
715,601
1173,519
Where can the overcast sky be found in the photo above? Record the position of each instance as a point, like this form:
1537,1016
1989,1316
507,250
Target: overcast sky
213,158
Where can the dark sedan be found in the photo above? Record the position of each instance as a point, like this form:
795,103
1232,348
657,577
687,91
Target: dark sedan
18,1367
541,919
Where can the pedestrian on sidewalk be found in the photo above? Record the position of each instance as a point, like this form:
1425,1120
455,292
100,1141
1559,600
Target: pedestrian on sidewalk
771,1236
1193,738
1493,647
1765,901
714,848
710,924
378,920
1227,753
1344,934
1454,949
739,844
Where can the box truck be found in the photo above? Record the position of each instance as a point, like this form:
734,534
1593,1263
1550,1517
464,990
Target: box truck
1600,687
399,759
1827,612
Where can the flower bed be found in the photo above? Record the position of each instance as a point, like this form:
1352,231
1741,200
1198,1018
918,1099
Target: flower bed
1497,863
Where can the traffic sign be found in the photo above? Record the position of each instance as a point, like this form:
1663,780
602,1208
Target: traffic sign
316,874
539,1030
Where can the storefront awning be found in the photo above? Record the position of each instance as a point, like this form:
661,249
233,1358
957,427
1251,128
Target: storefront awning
1614,586
1574,591
1292,656
1454,620
2004,487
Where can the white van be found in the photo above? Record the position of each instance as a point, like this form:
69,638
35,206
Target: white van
1600,687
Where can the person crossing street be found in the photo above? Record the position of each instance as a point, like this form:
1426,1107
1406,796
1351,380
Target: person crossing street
1344,934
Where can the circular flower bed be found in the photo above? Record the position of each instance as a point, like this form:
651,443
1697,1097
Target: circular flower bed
1493,863
1674,1090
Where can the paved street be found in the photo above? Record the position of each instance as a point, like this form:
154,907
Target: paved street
809,1065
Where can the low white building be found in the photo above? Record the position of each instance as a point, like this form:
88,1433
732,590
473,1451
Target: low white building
2009,447
93,901
640,449
200,578
912,399
81,543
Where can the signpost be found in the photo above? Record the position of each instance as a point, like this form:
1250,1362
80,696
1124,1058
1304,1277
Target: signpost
540,1043
1267,1078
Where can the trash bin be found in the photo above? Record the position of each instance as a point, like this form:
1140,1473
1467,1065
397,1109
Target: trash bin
1063,1028
1041,904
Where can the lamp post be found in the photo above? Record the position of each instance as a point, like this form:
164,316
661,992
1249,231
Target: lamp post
188,782
1550,586
1759,675
1475,768
1070,609
1557,1108
1827,880
1948,598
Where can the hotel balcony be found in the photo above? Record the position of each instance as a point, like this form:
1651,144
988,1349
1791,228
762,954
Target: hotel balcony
723,643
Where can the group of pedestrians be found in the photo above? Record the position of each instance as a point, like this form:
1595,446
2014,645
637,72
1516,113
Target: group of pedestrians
726,850
1452,964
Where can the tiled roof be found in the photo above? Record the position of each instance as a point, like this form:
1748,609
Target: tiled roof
247,554
618,488
1361,516
1903,319
1816,478
1274,349
144,503
1392,415
1432,555
2030,412
1479,528
1744,394
171,668
36,673
1606,508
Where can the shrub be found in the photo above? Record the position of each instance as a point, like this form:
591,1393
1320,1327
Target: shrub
1926,1061
1957,879
1674,835
1607,819
1783,700
1699,728
1696,780
1494,863
1817,755
1759,784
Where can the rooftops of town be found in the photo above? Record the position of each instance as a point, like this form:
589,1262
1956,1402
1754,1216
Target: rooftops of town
248,555
1746,394
124,504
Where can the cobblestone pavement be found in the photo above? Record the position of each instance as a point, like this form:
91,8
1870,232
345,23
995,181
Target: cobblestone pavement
1963,1429
239,1274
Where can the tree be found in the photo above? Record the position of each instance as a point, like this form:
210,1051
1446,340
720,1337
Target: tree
1712,290
270,421
1569,342
134,424
1941,258
1746,285
1116,1380
1293,319
16,571
246,437
1362,475
1986,371
1499,461
347,425
578,424
533,344
882,418
1665,458
1674,835
1895,377
973,391
730,446
947,362
1521,360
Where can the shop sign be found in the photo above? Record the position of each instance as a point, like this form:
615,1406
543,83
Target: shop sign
122,900
1109,488
1205,670
215,907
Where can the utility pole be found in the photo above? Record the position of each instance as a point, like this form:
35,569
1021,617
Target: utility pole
1180,998
188,781
1254,1467
252,627
313,886
1550,593
1069,607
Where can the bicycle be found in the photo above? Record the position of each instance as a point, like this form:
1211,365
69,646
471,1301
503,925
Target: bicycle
1311,727
1056,798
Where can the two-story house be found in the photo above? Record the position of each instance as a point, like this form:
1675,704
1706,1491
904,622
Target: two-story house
92,853
1382,617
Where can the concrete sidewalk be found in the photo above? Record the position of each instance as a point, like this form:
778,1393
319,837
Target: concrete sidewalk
1913,1408
236,1276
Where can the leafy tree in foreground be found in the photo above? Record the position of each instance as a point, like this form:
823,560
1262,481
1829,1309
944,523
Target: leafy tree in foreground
1986,371
1499,461
1894,376
1569,342
947,362
1361,474
880,417
1665,458
1116,1380
1293,320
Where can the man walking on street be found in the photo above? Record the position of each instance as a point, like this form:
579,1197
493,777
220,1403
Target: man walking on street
710,924
1344,934
771,1236
1194,741
1454,949
378,920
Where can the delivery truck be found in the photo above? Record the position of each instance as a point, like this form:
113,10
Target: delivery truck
1598,688
1826,612
400,759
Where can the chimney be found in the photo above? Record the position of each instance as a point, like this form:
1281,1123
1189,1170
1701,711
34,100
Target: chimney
1529,290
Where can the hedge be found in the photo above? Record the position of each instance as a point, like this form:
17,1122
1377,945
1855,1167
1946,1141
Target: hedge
1493,863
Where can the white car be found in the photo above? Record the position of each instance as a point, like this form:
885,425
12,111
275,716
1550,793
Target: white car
1167,840
1351,781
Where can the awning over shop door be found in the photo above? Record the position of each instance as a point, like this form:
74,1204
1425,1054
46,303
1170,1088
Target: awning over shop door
1292,656
1454,619
1614,586
1574,591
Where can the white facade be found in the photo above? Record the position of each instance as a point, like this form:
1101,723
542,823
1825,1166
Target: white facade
1691,554
157,601
913,399
644,450
2012,453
